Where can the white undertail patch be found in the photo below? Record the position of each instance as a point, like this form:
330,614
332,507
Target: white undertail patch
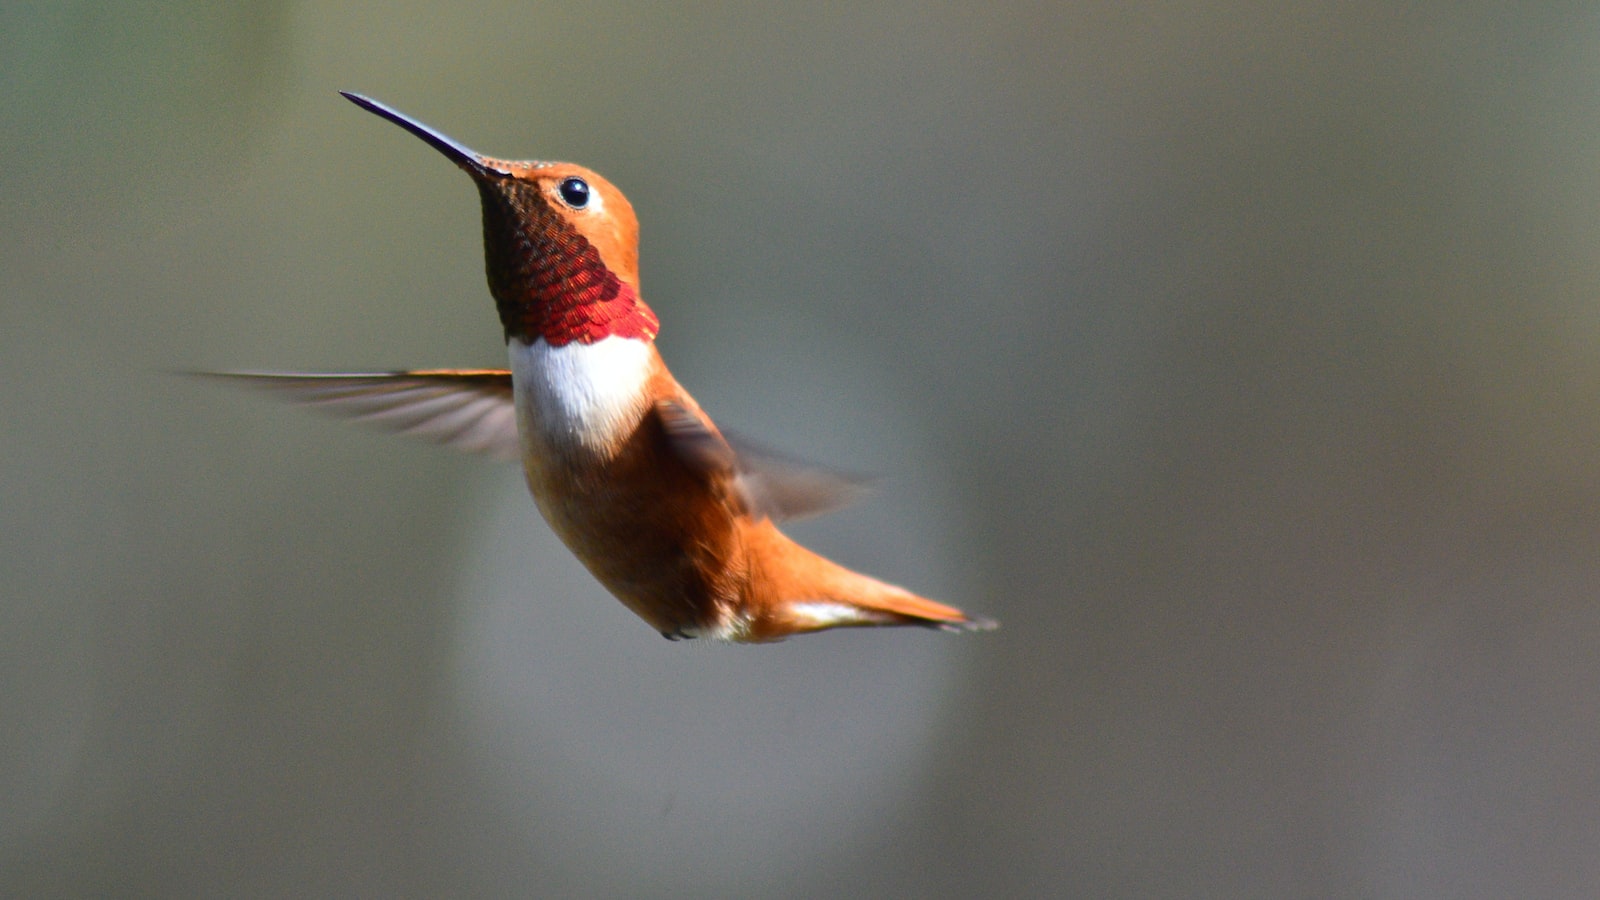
825,612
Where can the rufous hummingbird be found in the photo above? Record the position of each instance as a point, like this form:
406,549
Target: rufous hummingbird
672,516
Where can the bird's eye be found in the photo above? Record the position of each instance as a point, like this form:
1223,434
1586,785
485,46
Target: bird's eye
575,191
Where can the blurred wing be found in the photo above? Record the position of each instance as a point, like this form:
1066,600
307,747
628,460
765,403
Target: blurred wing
766,483
468,409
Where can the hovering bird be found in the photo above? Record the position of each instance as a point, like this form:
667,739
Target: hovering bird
670,515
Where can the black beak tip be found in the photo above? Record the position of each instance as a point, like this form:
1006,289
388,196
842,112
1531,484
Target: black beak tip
357,99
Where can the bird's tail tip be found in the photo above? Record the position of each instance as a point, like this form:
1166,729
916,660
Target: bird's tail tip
966,623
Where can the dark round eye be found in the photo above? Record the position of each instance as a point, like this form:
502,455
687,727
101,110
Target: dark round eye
575,191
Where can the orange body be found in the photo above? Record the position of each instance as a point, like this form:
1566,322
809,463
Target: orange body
668,514
673,541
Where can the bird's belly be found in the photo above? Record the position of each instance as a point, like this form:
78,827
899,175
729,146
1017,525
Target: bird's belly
676,571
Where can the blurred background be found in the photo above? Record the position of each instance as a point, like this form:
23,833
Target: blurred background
1243,359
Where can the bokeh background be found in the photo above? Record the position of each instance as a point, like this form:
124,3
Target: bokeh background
1242,358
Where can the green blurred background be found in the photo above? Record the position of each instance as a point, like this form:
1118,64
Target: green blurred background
1243,359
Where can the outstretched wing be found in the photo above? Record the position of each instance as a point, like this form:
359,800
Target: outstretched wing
472,410
766,483
468,409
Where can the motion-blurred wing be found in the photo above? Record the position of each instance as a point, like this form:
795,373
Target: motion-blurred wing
468,409
766,483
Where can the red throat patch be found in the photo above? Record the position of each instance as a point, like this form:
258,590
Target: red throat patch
547,279
588,316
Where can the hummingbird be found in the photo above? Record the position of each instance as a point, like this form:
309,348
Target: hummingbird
674,517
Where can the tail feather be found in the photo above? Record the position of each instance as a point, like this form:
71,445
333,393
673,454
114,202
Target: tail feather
813,593
909,609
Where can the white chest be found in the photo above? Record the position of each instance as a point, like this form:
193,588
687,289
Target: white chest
579,397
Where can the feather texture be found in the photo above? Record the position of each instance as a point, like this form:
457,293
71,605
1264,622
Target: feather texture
466,409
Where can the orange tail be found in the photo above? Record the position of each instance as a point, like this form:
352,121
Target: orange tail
805,592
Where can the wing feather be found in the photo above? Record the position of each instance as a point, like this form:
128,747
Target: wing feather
765,482
472,410
467,409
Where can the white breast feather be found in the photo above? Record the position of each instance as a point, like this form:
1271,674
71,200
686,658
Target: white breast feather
580,395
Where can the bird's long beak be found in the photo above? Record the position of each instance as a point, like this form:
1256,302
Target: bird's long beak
474,163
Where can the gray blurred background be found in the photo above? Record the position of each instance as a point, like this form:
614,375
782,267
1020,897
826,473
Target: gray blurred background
1243,359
